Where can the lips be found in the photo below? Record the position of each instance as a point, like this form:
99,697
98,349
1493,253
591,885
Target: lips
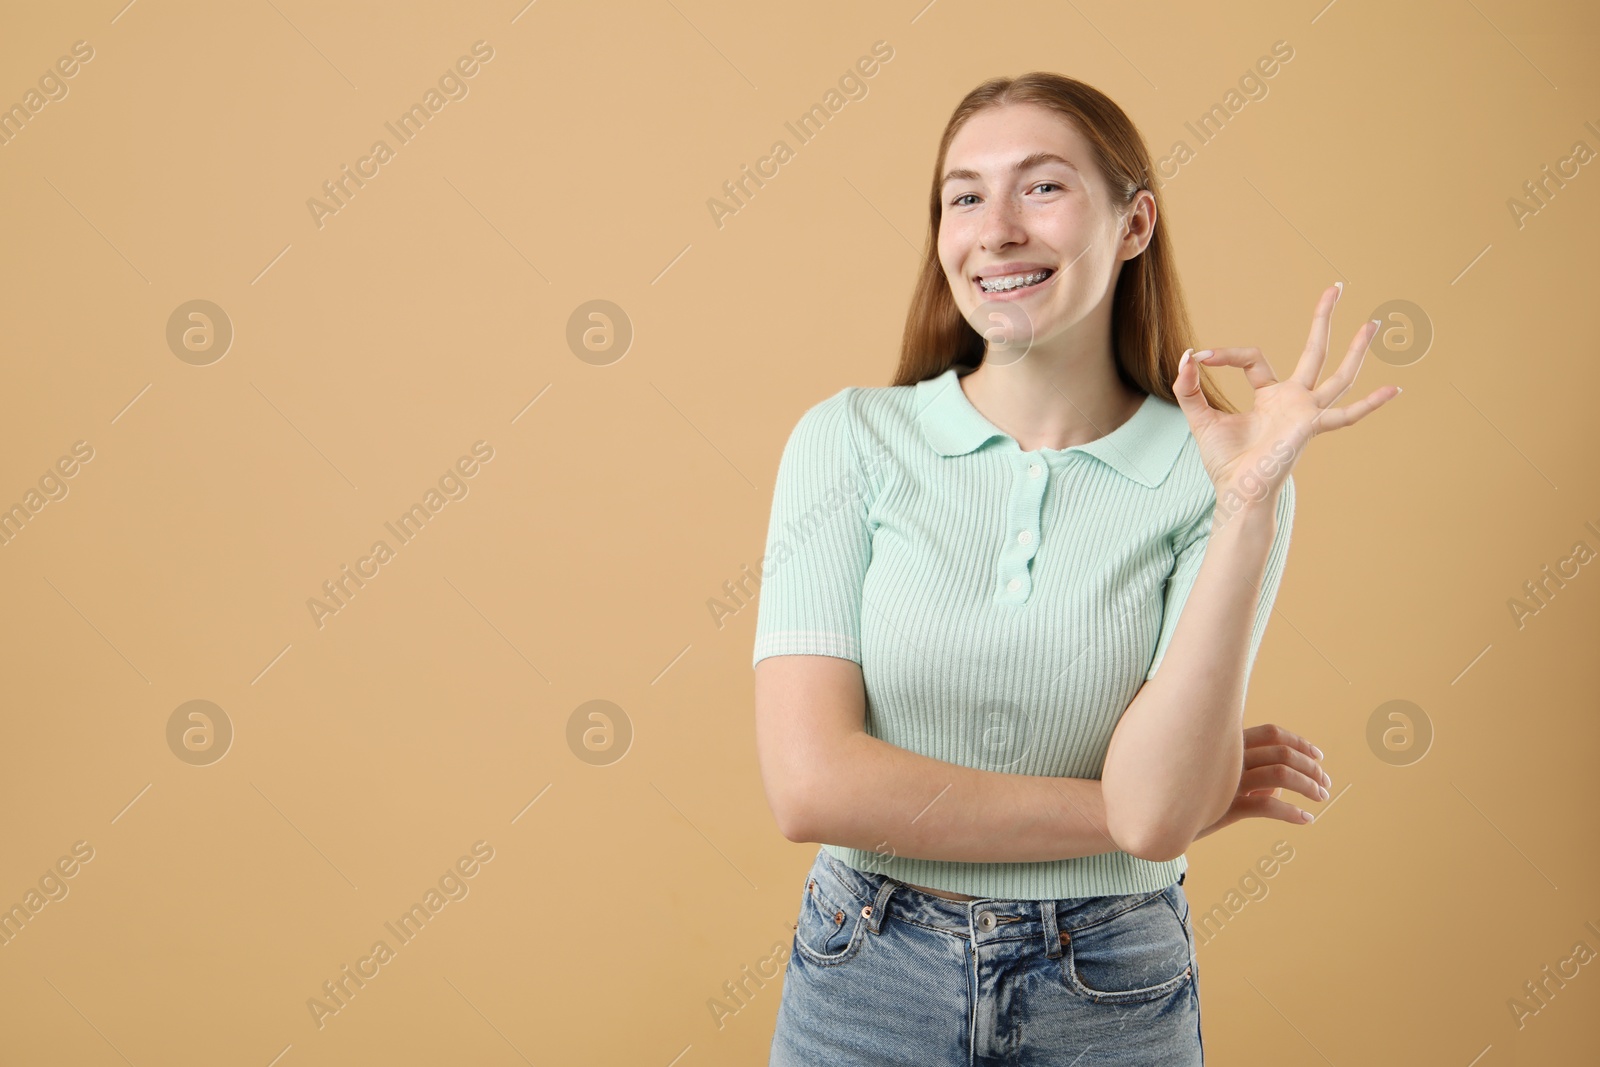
1020,290
1003,270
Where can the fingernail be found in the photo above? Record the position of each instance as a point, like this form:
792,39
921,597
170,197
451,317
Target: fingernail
1316,751
1322,794
1203,355
1308,816
1183,359
1339,286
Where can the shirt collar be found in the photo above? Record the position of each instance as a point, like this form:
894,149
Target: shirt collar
1144,448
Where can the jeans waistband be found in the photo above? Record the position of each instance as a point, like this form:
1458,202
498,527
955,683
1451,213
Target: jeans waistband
985,919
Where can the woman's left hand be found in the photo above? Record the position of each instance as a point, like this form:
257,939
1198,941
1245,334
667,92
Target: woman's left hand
1274,759
1244,451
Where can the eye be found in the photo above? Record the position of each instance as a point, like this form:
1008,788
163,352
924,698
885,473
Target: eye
957,202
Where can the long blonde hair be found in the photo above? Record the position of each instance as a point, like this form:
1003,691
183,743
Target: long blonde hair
1150,325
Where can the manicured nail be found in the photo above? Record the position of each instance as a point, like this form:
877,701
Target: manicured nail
1308,817
1316,751
1339,286
1183,359
1204,355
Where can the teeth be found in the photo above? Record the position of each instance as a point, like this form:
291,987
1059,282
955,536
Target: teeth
1013,281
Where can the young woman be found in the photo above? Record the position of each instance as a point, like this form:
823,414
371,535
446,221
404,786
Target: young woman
972,577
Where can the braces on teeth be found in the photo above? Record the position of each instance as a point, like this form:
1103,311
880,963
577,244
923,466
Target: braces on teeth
1016,282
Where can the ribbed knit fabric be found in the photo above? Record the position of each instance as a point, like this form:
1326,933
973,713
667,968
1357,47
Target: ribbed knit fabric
1005,606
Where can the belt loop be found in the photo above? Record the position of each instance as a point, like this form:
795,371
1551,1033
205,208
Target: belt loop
1052,935
875,910
1182,876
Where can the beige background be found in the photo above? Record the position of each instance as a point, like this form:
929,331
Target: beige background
434,710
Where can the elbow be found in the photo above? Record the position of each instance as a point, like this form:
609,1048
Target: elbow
1157,848
805,794
794,810
794,823
1157,841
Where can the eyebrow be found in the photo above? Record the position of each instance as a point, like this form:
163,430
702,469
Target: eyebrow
1025,163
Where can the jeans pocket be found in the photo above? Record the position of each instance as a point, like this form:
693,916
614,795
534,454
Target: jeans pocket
830,927
1140,952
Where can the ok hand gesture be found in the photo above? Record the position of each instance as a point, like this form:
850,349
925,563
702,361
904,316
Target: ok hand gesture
1259,446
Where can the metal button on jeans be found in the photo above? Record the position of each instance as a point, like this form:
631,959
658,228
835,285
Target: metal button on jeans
986,920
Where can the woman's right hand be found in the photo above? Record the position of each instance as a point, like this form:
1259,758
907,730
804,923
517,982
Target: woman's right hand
1274,759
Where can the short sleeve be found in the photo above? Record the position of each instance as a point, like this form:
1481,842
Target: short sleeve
818,543
1187,566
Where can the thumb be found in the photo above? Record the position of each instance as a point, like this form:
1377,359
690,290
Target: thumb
1186,388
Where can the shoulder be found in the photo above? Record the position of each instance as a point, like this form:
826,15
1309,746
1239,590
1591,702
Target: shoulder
865,403
862,417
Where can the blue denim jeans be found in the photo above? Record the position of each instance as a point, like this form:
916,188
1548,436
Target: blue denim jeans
882,974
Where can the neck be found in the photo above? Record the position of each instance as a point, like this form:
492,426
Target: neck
1052,398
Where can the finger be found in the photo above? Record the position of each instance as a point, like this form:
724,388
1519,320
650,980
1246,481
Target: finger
1339,418
1339,381
1186,388
1268,808
1290,758
1279,776
1256,368
1270,733
1309,369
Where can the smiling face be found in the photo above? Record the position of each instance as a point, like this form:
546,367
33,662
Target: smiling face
1052,218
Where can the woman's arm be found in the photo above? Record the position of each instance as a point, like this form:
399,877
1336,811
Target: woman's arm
1176,757
890,800
1176,751
828,780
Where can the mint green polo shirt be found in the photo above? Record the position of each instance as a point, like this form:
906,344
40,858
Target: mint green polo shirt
1005,606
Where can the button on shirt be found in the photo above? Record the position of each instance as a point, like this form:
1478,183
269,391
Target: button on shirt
1005,606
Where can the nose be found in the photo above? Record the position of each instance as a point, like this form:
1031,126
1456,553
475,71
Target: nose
1002,223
